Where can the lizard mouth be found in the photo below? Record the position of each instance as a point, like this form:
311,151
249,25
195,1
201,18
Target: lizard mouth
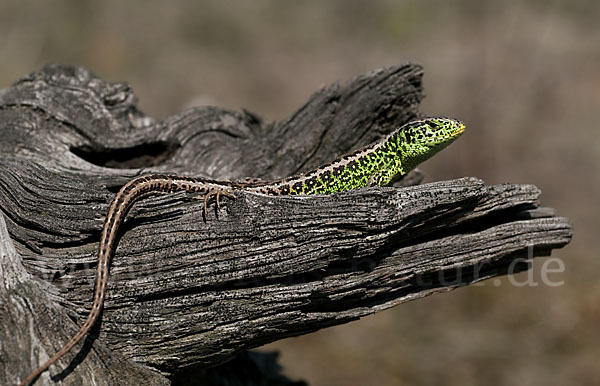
459,130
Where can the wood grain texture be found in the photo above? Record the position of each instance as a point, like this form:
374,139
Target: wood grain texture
189,291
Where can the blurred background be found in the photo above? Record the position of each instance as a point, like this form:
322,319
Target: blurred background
523,75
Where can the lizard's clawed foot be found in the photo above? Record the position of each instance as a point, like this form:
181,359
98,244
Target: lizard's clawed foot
217,193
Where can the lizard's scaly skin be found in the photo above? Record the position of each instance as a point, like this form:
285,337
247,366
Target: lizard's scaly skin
375,165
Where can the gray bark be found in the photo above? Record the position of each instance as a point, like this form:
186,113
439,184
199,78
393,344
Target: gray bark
188,291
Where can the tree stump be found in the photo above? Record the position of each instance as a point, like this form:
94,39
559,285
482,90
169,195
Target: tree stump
189,291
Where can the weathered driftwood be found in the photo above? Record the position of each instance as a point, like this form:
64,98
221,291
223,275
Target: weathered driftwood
189,291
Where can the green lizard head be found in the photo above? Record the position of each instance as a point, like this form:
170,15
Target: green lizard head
419,140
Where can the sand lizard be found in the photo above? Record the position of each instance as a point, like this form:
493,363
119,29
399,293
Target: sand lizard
377,164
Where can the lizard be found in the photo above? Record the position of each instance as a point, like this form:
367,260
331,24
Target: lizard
377,164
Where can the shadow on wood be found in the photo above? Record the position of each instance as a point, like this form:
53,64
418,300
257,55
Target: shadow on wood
188,293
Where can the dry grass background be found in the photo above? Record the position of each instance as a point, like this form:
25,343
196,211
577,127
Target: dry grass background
523,75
